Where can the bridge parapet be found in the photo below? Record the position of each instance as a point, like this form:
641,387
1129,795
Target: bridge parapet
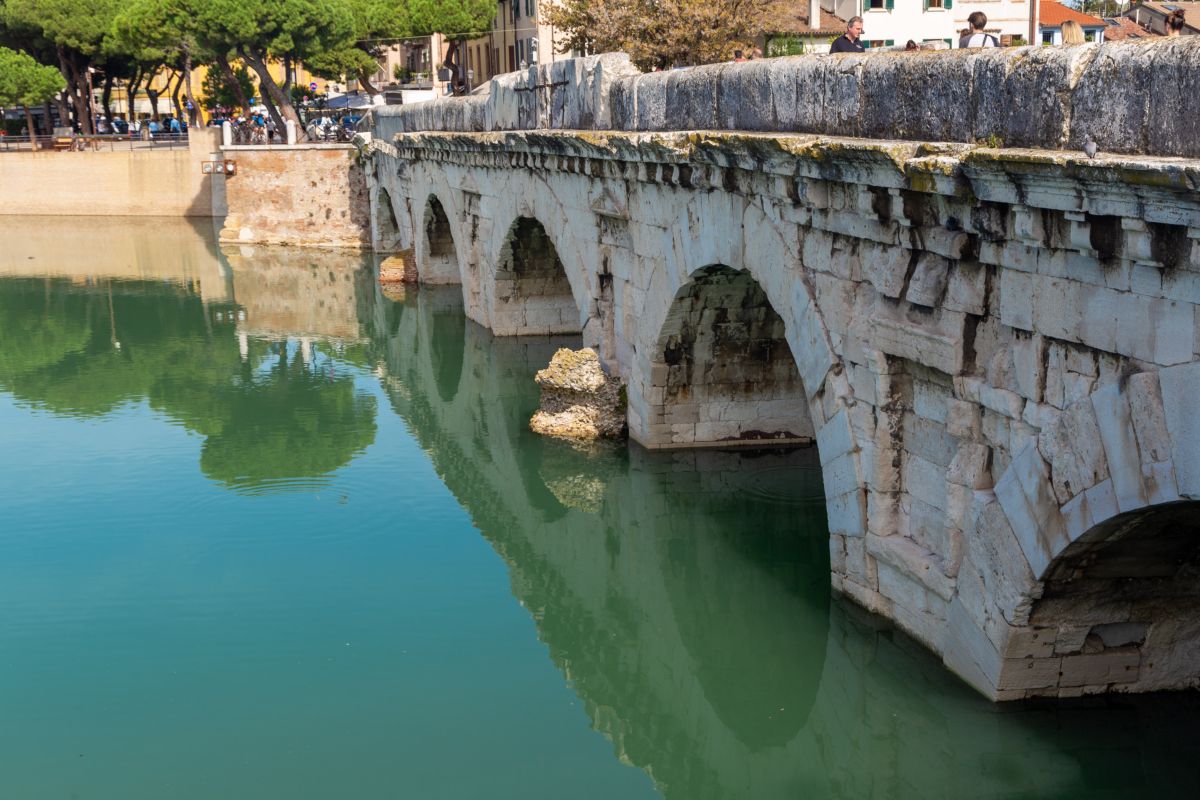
1129,97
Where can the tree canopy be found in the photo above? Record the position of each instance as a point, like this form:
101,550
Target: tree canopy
24,82
661,33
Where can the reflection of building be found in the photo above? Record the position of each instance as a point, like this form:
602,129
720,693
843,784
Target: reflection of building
179,252
283,292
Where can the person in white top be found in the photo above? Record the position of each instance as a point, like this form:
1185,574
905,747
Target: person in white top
977,38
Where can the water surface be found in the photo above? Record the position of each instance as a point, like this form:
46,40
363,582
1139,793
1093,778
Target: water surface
266,533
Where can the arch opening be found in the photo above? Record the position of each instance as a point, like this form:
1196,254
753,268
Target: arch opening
439,261
1119,611
532,292
723,372
387,227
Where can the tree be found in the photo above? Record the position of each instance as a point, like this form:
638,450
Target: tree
662,33
376,22
290,31
24,82
457,20
216,91
78,29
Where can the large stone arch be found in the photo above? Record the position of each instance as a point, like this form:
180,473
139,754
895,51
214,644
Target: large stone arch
572,236
721,371
530,289
740,232
1081,575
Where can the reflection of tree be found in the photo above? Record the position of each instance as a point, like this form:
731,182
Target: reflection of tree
86,351
38,328
293,421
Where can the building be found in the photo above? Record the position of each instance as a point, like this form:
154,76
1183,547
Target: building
793,31
1123,29
1053,15
516,39
1153,16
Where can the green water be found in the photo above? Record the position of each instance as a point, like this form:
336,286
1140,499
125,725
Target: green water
265,533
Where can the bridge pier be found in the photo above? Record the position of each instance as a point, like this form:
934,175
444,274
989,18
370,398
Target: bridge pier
995,351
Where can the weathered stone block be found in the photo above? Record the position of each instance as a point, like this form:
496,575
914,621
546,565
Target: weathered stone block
1074,449
1180,389
1120,446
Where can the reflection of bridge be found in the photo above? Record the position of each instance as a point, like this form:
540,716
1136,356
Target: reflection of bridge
707,651
995,349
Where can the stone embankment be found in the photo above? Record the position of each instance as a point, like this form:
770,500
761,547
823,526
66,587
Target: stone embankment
1129,97
579,401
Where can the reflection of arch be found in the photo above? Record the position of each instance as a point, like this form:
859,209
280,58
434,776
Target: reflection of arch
447,338
532,294
723,370
387,229
764,688
438,261
1099,586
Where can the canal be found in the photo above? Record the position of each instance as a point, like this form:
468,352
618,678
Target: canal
266,532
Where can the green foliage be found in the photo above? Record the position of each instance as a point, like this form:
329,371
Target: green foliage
25,82
451,18
80,25
217,93
87,352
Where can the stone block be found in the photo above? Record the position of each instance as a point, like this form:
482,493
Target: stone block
744,101
992,547
1074,450
1025,494
916,563
1031,642
835,438
970,466
966,288
963,419
928,282
1030,673
1101,669
925,481
1120,446
928,439
968,652
1016,299
1029,372
885,266
1180,388
846,514
650,101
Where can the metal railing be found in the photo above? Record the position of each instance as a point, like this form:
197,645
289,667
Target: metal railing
100,142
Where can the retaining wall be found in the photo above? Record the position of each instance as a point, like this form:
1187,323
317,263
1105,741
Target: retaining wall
130,183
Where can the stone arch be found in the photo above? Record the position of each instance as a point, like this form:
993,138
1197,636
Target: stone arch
722,371
387,227
1119,609
438,259
532,292
1088,555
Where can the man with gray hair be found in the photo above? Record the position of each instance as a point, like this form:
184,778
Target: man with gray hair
851,40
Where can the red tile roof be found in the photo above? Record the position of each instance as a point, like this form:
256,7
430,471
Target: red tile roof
1053,15
788,16
1125,28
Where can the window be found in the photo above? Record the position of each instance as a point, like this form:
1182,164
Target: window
1047,37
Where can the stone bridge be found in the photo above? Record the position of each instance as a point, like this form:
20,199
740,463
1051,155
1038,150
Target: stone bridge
991,338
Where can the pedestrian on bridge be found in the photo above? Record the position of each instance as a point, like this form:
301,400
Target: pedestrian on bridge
851,40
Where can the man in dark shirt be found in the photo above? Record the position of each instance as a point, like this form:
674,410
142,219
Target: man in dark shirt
850,41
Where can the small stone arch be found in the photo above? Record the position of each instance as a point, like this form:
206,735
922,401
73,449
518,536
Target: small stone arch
387,227
723,372
532,293
438,261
